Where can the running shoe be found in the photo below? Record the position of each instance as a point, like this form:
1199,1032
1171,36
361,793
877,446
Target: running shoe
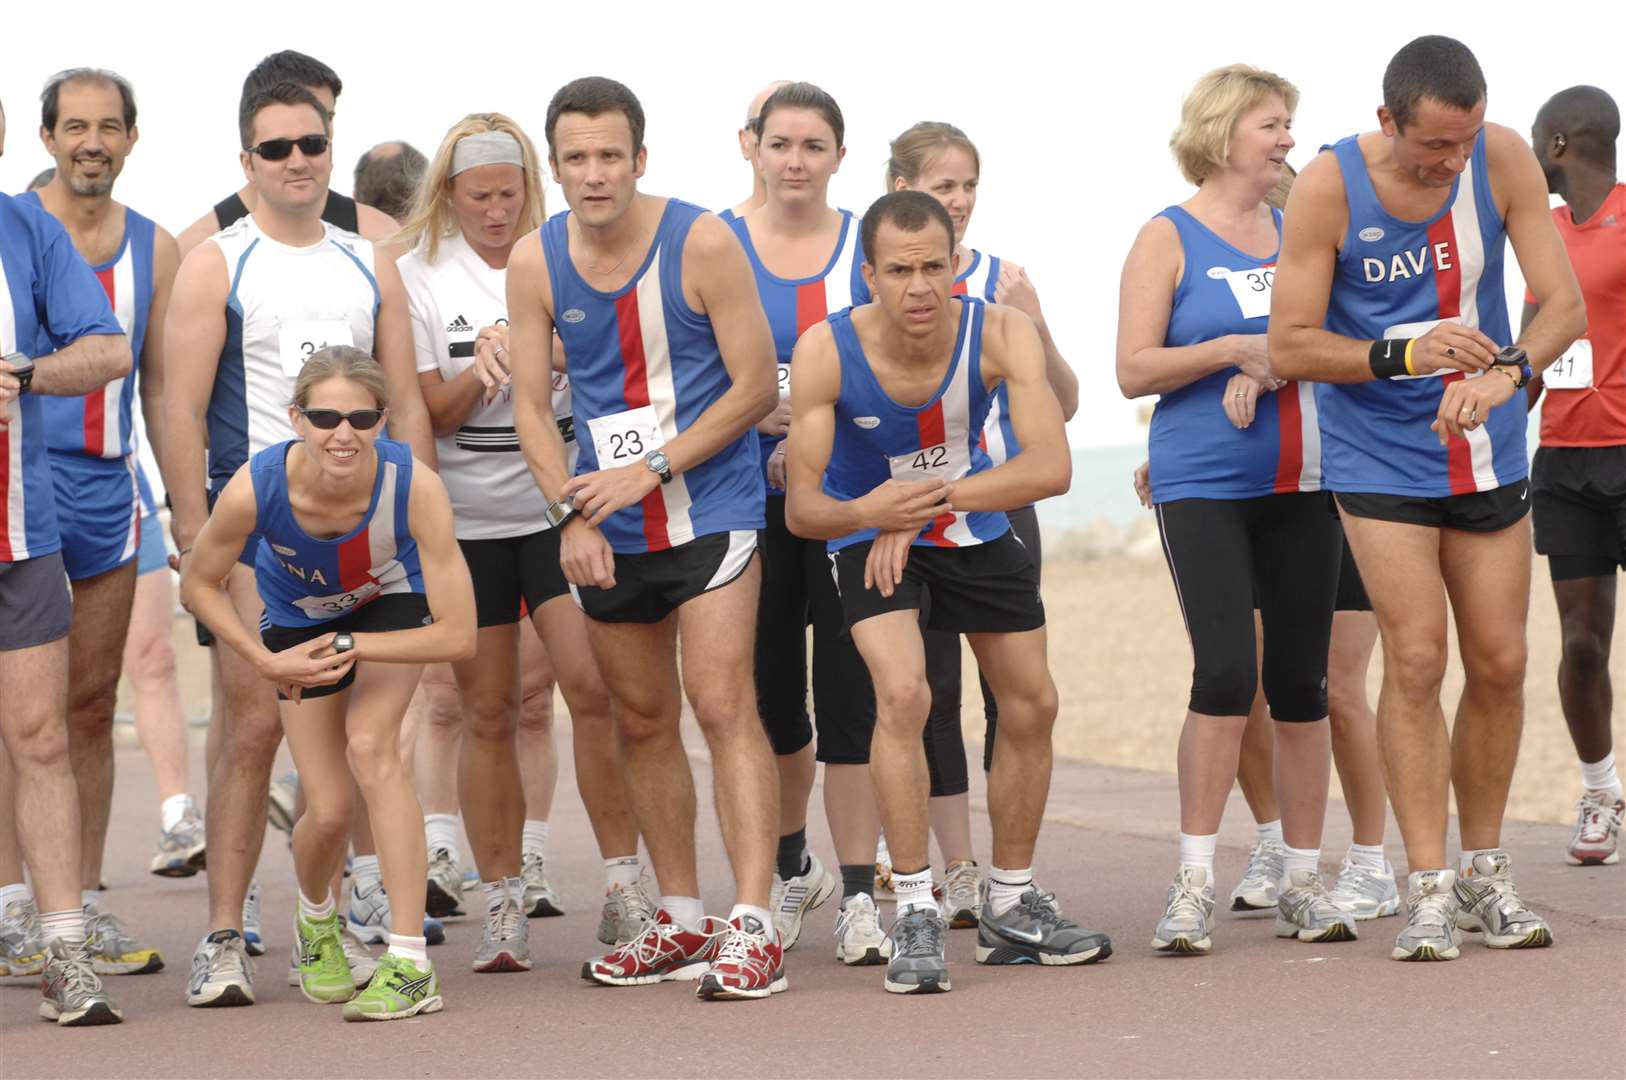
1431,918
251,920
539,901
1596,841
962,895
22,947
1491,904
1257,889
113,951
748,964
1306,912
506,942
324,970
627,913
399,989
791,899
445,894
222,973
369,917
917,964
860,941
181,849
1187,915
281,801
883,871
664,952
1034,932
362,963
73,994
1364,893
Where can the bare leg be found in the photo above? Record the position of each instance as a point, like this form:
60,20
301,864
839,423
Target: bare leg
1586,610
1210,747
489,782
1304,767
33,725
951,824
101,615
372,726
533,738
1018,672
895,654
315,728
1354,727
849,804
440,734
149,661
796,775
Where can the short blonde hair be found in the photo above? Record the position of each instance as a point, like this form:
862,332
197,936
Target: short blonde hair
432,218
1211,109
342,362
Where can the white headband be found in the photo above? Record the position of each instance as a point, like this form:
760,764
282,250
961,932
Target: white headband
486,148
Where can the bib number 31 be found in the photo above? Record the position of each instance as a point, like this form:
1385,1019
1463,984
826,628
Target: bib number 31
296,341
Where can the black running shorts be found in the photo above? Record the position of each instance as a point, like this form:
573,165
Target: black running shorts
987,588
392,611
1474,511
36,607
651,585
514,574
1579,499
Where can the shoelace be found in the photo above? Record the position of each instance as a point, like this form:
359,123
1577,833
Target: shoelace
1042,906
1430,909
862,917
1186,901
737,947
1595,820
919,936
78,976
507,918
231,956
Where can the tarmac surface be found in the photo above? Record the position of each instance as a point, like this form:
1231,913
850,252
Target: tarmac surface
1257,1006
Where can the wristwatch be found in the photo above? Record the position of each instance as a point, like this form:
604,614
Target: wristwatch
559,511
1514,357
22,366
344,642
659,465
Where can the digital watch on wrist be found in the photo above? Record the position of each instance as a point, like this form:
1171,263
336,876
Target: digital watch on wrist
1515,357
559,511
659,465
22,366
344,642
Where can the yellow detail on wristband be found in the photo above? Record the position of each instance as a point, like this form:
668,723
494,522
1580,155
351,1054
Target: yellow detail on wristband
1409,343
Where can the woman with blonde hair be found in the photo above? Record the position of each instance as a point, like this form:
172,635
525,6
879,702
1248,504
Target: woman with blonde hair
1239,506
481,193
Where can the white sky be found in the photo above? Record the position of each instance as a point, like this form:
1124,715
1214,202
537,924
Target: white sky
1070,106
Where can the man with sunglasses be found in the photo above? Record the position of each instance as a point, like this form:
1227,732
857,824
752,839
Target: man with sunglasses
748,135
250,305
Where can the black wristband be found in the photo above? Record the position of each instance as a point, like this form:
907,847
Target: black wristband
1388,357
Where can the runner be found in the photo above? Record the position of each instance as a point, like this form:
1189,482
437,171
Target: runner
58,338
1391,266
748,136
250,305
899,389
482,192
1578,478
670,362
356,562
808,263
389,177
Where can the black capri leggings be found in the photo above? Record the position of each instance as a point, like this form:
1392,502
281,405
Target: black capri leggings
1285,549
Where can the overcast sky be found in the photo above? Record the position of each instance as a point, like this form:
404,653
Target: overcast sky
1070,107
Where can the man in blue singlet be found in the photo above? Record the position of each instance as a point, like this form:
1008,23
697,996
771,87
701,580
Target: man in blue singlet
1389,293
885,463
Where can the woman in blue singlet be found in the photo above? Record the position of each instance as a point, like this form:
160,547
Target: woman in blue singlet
363,583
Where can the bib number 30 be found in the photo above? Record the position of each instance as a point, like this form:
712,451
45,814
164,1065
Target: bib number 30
1251,288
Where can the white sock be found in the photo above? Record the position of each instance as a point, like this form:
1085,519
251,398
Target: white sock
14,894
1005,888
759,914
312,912
173,809
1298,859
364,872
415,949
1465,861
495,893
535,837
686,911
622,872
914,890
66,926
1368,856
1199,851
1268,830
440,831
1601,775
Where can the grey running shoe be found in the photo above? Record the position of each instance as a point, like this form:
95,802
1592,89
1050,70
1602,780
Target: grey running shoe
222,973
113,951
1364,893
1188,914
628,912
1034,932
281,801
22,948
445,895
181,849
73,994
1596,840
1490,903
1306,912
252,937
539,900
791,900
859,938
1257,889
962,895
918,965
506,942
1431,918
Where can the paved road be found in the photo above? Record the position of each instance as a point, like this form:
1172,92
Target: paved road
1255,1007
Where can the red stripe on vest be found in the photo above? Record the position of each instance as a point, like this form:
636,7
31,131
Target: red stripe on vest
932,430
1290,424
1448,288
960,288
635,388
96,401
6,480
811,305
356,561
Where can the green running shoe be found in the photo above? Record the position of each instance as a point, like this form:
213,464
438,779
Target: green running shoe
399,989
324,970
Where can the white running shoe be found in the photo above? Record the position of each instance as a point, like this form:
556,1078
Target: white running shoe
539,900
251,920
1257,891
1596,840
628,912
1188,914
791,900
444,897
1364,893
860,941
962,896
222,972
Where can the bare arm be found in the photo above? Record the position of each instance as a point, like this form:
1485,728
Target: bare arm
81,367
1560,315
1015,289
194,334
530,341
392,346
1532,389
196,233
165,261
375,225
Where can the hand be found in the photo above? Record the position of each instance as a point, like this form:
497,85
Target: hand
777,422
1253,357
1467,403
491,363
9,388
883,568
776,468
1143,483
1014,289
906,506
308,664
597,495
1241,394
585,556
184,538
1452,346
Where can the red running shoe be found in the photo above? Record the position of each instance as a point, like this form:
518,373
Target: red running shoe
664,951
750,963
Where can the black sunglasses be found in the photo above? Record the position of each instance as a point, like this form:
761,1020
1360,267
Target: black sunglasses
328,419
280,149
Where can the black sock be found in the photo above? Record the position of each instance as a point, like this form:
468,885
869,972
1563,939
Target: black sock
793,854
857,879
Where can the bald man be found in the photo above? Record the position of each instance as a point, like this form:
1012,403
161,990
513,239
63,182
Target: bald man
387,176
748,150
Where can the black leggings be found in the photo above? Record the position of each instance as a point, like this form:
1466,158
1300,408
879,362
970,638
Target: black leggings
945,742
1285,549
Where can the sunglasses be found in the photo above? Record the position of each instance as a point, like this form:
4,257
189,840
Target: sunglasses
280,149
328,419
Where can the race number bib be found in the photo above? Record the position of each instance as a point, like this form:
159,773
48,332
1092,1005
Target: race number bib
296,341
625,437
941,462
1573,370
1252,290
784,381
331,607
